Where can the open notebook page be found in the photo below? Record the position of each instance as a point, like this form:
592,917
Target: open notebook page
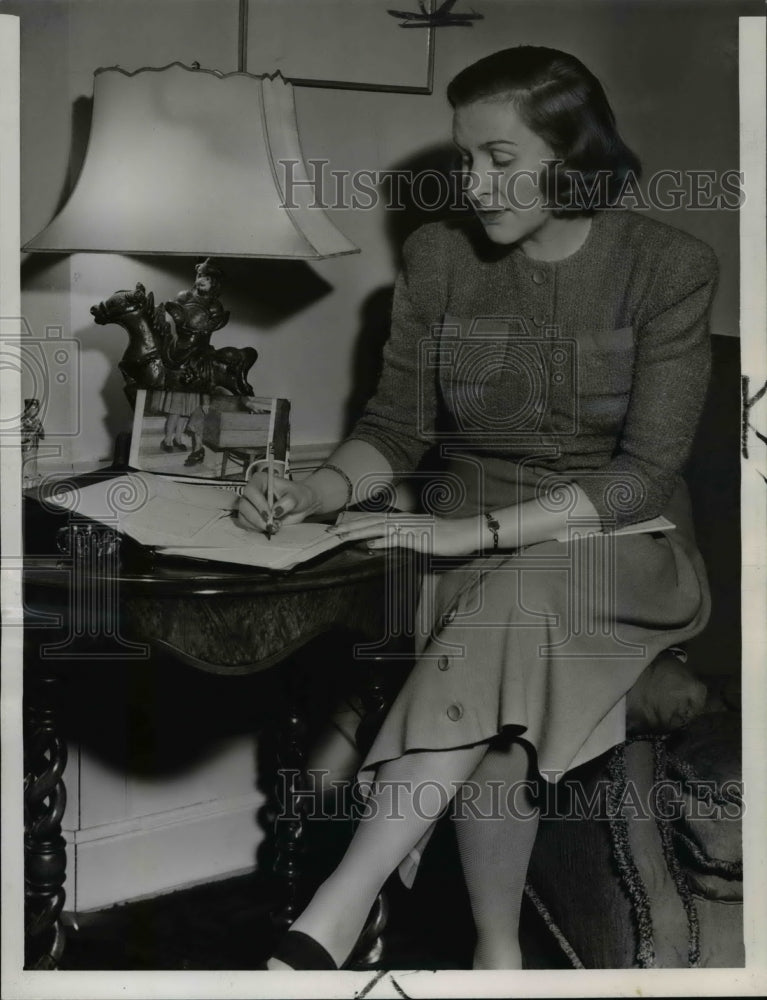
226,541
192,520
148,508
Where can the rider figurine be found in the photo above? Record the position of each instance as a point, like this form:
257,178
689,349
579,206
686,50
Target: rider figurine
197,315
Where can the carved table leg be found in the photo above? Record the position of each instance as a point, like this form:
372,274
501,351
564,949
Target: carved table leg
45,757
290,822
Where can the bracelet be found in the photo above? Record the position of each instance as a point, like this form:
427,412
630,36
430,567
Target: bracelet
494,525
346,479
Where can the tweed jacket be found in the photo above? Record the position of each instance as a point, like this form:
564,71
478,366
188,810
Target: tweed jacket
593,368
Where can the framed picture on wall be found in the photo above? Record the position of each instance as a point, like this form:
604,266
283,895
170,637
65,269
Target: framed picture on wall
348,44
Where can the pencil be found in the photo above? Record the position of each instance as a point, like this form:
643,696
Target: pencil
269,531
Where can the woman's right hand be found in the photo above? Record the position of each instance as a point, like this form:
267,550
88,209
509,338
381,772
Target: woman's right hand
292,503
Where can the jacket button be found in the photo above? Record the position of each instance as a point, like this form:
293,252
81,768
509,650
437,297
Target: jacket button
454,713
443,663
539,319
539,277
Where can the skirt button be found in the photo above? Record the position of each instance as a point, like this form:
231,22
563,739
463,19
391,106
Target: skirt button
454,713
443,663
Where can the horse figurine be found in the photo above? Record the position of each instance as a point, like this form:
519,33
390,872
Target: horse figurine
157,357
142,364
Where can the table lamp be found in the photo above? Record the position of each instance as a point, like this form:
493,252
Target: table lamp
189,161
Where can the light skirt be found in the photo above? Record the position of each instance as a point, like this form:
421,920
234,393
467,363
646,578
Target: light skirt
545,643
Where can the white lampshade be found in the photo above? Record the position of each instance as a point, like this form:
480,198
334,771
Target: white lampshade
190,161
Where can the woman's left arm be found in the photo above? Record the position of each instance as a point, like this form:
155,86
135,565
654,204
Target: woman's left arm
517,525
671,373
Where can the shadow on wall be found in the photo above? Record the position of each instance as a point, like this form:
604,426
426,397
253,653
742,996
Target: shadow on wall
416,191
262,293
265,293
367,359
82,116
82,113
428,197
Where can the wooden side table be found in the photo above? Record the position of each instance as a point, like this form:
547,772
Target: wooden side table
102,603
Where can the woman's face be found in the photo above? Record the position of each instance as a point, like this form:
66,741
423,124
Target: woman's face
503,161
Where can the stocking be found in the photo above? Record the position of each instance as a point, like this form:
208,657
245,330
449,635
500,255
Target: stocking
496,824
424,783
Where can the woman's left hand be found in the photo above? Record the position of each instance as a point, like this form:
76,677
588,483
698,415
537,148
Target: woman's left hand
437,536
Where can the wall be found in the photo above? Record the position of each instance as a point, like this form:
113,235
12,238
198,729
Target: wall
670,70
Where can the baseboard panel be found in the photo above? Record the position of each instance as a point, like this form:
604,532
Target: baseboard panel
118,862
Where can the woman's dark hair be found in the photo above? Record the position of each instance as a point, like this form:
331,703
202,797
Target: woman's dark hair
563,103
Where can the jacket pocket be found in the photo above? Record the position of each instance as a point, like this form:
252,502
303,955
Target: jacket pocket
605,362
605,373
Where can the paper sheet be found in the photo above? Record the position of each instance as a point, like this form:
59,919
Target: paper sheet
193,519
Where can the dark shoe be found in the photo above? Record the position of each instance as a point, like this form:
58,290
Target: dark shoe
196,458
300,951
369,947
166,447
178,446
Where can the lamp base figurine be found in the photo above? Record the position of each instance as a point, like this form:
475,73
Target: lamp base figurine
161,357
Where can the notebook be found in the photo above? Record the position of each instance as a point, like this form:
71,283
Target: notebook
193,519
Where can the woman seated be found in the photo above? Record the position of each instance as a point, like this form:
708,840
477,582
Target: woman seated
557,347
